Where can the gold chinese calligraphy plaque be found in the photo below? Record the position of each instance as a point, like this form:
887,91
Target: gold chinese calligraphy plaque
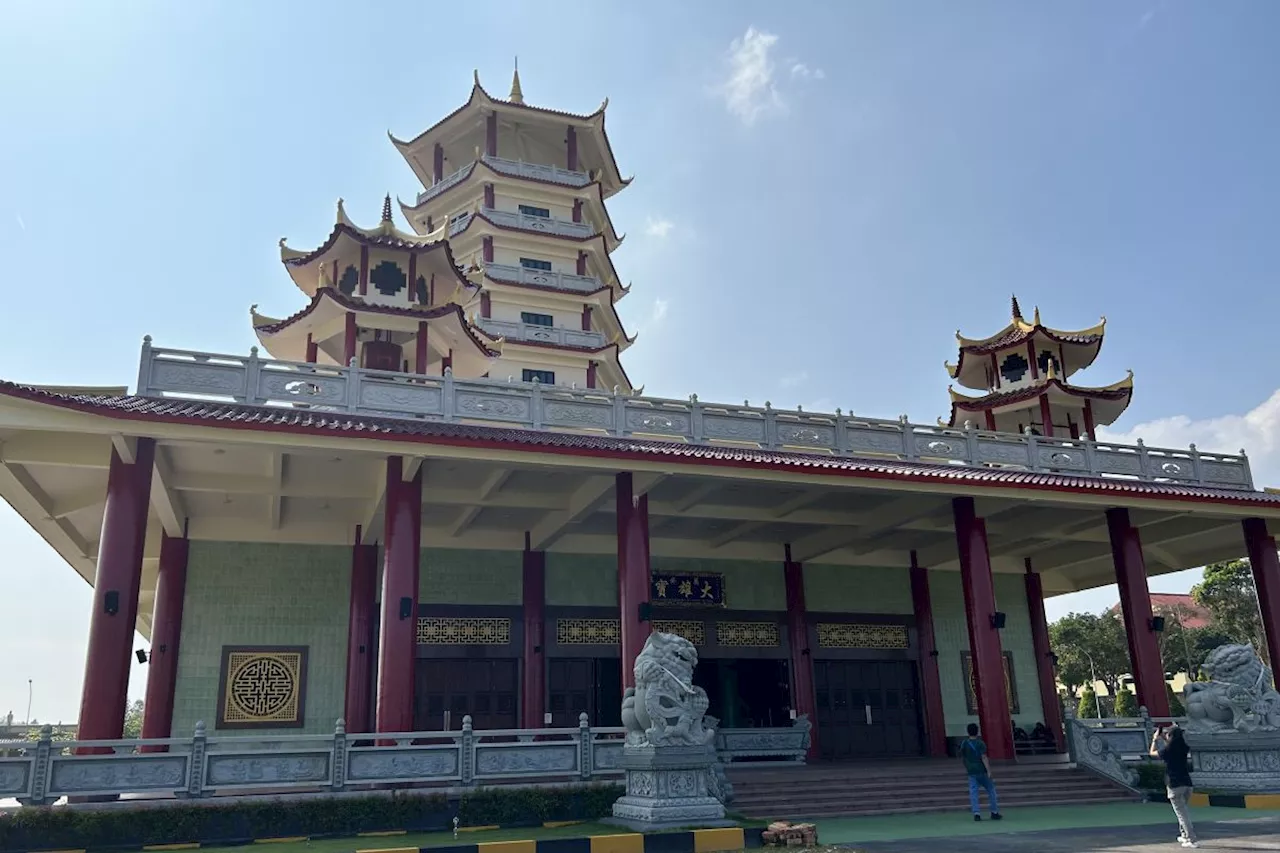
851,635
262,687
450,631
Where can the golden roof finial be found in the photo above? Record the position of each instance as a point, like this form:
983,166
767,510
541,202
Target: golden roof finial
386,208
517,96
1036,319
1017,310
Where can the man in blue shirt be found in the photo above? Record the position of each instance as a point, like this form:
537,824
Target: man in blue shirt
974,754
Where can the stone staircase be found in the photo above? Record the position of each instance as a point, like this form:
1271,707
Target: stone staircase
829,790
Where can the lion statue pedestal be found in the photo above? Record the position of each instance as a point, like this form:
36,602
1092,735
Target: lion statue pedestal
1233,724
669,755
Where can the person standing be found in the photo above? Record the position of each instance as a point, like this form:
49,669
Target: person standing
1170,746
973,751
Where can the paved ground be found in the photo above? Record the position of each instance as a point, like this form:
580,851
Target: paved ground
1245,834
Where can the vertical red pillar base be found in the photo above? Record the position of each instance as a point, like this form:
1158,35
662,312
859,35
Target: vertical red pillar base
115,595
803,700
984,639
1050,704
399,633
633,575
930,681
360,650
1266,577
1135,604
166,631
533,680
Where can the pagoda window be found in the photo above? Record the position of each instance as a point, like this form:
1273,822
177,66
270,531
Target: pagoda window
531,319
420,290
530,210
458,218
1014,367
388,278
349,280
535,264
542,377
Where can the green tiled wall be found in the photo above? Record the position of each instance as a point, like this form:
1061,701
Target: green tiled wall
452,576
251,594
586,580
953,636
856,589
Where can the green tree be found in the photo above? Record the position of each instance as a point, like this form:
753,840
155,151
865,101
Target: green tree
1177,642
1088,644
1227,592
1176,708
1126,703
133,720
1088,707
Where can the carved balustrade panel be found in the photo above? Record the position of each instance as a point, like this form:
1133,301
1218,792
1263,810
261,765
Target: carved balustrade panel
404,764
248,769
15,775
384,394
108,774
515,760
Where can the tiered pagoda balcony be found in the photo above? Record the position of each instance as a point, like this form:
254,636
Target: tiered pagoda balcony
534,334
514,168
839,438
543,278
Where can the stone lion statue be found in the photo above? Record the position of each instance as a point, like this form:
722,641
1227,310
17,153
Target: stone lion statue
665,708
1237,697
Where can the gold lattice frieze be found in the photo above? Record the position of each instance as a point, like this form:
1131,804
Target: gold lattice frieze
463,631
694,632
588,632
747,634
851,635
262,687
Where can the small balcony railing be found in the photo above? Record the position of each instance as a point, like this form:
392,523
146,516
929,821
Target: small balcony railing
530,333
516,168
263,382
543,278
525,222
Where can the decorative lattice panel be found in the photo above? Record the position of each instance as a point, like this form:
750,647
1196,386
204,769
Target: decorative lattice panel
588,632
262,687
747,634
454,631
851,635
694,632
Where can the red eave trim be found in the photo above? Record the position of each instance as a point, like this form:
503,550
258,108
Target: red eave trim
640,450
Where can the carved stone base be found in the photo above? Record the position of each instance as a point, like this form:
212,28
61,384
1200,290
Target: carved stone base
1236,762
667,788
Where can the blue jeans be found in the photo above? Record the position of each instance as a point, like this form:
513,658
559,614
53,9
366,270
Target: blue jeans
983,781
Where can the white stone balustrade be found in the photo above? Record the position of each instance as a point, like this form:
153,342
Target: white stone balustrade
543,278
530,333
263,382
516,168
545,224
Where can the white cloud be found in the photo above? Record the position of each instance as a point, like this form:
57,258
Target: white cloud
791,380
804,72
21,223
1256,431
659,228
750,91
659,312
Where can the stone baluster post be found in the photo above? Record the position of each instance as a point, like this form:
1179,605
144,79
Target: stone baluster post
586,757
40,768
195,776
467,744
339,762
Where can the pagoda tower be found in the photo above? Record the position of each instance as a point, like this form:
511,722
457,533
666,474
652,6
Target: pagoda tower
519,193
1023,371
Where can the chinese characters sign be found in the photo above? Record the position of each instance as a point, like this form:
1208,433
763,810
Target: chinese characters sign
704,590
970,693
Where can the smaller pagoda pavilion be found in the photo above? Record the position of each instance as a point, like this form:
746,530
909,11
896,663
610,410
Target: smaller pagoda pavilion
1024,372
391,300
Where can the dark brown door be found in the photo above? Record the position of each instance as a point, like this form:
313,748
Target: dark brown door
590,685
484,689
867,709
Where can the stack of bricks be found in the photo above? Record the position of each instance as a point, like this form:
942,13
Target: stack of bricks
785,834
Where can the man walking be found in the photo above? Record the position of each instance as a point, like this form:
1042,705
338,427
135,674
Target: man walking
974,754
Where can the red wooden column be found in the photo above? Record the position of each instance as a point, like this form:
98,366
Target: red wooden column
935,720
1135,603
312,350
633,575
533,683
420,349
166,631
1046,415
361,614
349,339
1088,421
1266,577
491,134
801,665
399,634
1049,700
984,639
437,164
115,594
571,148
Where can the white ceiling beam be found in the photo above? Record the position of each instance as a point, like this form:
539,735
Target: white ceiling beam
695,496
494,483
776,514
582,503
19,488
164,500
46,448
890,515
733,534
91,498
464,520
126,447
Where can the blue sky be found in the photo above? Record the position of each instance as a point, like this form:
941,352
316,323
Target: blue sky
824,193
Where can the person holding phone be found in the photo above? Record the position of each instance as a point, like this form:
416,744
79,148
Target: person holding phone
1170,746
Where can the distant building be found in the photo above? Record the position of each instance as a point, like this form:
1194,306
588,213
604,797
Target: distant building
1191,615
